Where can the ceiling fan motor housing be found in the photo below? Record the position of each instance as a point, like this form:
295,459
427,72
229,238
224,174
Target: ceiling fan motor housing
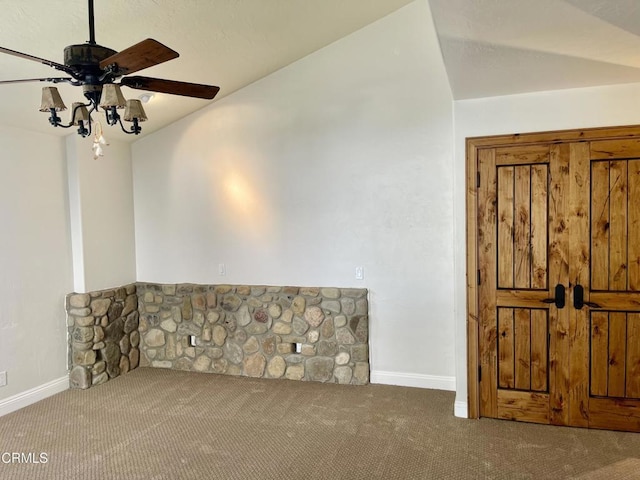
85,59
85,54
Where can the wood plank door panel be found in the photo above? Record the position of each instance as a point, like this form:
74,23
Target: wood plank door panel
514,281
613,309
560,214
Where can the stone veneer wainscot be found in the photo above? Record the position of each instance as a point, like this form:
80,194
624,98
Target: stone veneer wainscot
234,330
103,335
253,330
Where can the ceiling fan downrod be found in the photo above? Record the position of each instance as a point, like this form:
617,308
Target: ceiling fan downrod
92,25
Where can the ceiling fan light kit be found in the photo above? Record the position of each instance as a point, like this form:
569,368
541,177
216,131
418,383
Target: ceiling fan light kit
96,69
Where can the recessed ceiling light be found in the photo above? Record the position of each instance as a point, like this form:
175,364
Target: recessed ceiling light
146,97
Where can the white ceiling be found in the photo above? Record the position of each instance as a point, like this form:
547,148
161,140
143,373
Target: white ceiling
500,47
229,43
490,47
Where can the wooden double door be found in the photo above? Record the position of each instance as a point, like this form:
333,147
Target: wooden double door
558,282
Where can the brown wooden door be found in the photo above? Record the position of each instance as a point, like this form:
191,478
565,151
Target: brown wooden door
564,214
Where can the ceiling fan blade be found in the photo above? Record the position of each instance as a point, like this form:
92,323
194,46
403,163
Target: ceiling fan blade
185,89
52,80
44,61
145,54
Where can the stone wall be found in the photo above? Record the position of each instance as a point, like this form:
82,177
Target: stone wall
255,331
103,335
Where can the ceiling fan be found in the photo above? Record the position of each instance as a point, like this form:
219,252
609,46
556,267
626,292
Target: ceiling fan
97,69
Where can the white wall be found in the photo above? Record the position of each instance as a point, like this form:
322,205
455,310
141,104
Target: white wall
557,110
341,159
101,209
35,259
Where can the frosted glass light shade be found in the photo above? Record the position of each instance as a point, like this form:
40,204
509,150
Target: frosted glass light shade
111,97
134,110
51,99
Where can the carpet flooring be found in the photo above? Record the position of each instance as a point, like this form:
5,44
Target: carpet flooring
155,424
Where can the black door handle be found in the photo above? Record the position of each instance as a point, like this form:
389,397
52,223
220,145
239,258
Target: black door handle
559,298
578,299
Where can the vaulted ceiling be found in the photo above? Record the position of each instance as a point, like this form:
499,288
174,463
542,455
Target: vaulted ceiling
501,47
490,47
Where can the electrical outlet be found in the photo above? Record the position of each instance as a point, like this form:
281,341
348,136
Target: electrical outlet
222,270
3,379
359,273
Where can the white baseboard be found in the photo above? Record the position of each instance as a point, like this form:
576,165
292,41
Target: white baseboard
414,380
29,397
461,409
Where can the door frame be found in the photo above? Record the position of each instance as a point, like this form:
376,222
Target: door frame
473,144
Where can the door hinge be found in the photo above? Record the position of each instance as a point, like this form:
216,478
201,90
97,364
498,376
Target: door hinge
479,373
477,179
479,277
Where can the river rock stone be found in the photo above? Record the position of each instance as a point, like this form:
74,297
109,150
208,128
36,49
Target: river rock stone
361,373
233,352
134,358
154,338
295,372
169,325
243,316
111,354
313,336
213,317
199,301
275,310
130,304
254,365
327,328
344,336
84,357
202,363
327,348
85,321
231,303
282,328
79,377
348,306
319,369
251,345
131,323
343,375
220,366
218,335
330,292
269,345
300,327
100,379
256,328
261,316
342,358
331,305
187,309
134,338
124,345
100,306
314,316
276,367
124,364
298,305
79,300
82,334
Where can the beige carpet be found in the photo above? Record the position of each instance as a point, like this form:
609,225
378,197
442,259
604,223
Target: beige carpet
161,424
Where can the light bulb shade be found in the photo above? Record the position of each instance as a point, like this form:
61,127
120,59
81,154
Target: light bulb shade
51,99
134,110
80,113
111,97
